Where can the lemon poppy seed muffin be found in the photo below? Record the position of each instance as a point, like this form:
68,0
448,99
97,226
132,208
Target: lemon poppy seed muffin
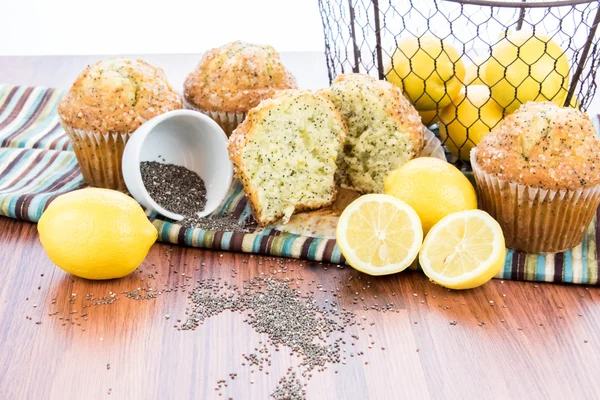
384,130
538,174
285,154
232,79
107,103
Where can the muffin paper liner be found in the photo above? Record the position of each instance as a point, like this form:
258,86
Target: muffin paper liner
227,121
99,156
433,146
536,220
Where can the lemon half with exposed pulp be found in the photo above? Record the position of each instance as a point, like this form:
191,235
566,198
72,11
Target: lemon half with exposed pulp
464,250
96,233
379,234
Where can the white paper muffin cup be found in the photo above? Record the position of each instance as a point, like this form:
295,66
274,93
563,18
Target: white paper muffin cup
433,146
226,120
536,220
100,157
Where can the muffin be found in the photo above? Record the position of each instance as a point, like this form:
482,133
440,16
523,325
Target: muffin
285,154
538,175
384,130
107,103
232,79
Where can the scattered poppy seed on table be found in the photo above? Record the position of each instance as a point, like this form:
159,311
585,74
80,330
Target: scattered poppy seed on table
226,223
280,312
289,388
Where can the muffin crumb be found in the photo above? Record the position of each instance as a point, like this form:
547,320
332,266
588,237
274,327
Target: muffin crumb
384,130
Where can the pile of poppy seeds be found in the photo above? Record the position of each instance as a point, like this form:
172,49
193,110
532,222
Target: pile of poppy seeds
173,187
289,388
282,313
319,334
289,319
226,223
183,192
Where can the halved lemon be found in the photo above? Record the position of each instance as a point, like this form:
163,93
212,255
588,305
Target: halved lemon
464,250
379,234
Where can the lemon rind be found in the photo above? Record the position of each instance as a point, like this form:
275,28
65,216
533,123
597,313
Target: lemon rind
367,268
461,280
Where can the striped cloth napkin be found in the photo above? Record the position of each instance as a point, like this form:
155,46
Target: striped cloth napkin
37,165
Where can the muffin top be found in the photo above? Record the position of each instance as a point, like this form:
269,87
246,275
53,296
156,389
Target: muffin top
236,77
544,146
117,96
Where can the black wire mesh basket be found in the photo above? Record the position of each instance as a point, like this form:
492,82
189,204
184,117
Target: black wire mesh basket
467,63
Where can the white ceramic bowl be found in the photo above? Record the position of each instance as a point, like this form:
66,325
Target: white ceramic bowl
181,137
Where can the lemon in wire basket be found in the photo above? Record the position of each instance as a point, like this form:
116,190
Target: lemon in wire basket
428,69
524,67
468,119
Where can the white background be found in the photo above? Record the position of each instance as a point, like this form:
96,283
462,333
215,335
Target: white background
108,27
68,27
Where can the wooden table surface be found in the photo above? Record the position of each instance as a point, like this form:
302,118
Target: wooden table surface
503,340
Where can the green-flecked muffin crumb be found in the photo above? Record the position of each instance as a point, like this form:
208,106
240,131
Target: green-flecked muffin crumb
285,154
384,130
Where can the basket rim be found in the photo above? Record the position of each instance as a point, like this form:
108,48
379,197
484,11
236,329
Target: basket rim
522,4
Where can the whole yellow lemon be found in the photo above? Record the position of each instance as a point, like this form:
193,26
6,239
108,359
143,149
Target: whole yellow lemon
468,119
433,187
473,71
526,67
428,69
96,233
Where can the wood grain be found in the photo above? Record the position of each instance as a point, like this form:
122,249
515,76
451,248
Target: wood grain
535,341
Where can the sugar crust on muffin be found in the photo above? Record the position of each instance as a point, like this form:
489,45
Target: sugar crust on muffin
236,77
544,146
117,96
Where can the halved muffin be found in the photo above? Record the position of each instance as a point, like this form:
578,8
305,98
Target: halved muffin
285,154
384,130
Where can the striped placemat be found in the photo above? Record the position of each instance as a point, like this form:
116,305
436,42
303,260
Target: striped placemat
37,164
